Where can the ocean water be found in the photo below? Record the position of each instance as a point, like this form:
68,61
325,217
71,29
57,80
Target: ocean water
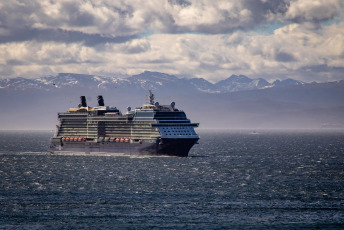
232,180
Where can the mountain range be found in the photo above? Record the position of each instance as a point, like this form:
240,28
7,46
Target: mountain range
145,80
234,103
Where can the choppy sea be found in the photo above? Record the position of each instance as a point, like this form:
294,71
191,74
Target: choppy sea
231,180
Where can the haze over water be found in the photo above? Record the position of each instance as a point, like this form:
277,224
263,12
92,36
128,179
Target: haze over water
237,179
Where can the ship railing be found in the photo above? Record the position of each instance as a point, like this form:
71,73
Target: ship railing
173,121
175,124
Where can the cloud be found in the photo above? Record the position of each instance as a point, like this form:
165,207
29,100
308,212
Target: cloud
314,10
59,35
106,20
286,53
133,17
211,39
136,46
284,57
222,16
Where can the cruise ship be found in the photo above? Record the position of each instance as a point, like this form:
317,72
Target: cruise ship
151,129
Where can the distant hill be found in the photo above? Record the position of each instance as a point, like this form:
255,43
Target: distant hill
236,102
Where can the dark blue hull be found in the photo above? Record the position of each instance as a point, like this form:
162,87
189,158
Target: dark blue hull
158,147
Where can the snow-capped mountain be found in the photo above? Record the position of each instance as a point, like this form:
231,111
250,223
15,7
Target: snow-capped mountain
144,81
160,82
69,80
204,85
287,82
21,84
239,83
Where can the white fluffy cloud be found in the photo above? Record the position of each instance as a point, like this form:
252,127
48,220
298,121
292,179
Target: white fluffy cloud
210,39
314,10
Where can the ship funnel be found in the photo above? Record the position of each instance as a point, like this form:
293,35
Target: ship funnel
83,101
100,100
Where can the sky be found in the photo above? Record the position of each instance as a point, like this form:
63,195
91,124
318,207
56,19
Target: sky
271,39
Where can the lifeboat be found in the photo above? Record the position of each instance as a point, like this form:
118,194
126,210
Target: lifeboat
63,139
122,140
126,140
79,139
112,139
67,139
106,138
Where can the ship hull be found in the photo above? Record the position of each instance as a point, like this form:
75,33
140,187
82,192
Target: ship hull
154,147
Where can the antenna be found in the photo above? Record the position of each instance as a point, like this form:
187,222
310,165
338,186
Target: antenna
151,97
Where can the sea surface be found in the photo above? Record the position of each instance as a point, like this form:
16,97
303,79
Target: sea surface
231,180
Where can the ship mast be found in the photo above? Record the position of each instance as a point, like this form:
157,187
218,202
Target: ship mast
151,97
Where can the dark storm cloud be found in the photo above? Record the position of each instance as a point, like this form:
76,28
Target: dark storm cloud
180,2
17,15
14,62
59,35
261,10
323,69
284,57
66,21
75,16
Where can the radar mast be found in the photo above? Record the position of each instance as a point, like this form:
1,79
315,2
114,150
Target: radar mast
151,97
